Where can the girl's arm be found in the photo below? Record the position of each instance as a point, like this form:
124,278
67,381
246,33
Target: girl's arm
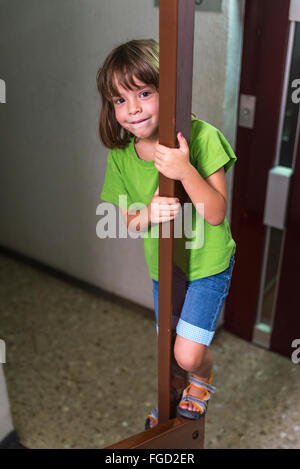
175,163
210,191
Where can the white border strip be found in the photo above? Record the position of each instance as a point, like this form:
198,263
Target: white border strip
294,14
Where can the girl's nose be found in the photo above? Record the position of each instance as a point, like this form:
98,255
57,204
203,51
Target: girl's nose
134,107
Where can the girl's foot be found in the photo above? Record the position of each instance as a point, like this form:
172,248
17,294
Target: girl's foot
195,398
178,383
151,419
153,423
194,392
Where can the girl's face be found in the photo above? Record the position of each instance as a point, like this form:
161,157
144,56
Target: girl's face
137,111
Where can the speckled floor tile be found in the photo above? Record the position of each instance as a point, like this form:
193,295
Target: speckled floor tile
81,371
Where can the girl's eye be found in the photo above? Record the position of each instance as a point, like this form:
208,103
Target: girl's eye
144,94
117,100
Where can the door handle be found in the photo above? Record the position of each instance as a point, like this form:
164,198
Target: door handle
276,203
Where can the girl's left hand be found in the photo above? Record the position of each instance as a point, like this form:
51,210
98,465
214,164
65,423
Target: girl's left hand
173,162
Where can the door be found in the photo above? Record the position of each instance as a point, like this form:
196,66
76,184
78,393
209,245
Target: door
263,305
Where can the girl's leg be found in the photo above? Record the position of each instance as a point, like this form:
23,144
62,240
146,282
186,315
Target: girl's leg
178,378
195,358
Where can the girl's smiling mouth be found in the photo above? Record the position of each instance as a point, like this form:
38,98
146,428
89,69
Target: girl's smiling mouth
139,121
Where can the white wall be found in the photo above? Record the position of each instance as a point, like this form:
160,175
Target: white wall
236,12
6,425
52,163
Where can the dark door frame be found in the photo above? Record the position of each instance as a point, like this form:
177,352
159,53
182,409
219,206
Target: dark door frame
266,33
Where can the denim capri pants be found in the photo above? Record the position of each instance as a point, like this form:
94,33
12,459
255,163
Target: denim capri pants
202,305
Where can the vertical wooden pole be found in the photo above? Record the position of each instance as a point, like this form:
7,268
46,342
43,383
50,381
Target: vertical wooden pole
176,39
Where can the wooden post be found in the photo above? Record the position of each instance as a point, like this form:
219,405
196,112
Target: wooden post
176,41
176,38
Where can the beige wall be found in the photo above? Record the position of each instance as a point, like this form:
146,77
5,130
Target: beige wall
52,164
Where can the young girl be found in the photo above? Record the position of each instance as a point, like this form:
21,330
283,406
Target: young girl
128,84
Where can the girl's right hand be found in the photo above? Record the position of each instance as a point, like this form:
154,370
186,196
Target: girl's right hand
163,209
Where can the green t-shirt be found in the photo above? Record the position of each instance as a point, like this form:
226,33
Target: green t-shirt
211,247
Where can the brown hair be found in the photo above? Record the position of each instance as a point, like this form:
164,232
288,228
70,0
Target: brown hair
134,59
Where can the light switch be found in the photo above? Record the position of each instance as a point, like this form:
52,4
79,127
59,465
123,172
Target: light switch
247,111
204,5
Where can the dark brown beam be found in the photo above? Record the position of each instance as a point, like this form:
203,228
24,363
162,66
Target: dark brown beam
176,39
176,36
177,433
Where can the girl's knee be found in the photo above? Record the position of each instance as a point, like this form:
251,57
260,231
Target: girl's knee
188,363
189,355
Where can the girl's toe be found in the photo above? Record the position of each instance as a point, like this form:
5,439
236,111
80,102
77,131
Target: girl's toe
194,408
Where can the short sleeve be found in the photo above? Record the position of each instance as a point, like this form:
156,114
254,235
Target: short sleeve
210,150
114,189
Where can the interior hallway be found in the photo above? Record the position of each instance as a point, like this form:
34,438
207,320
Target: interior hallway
81,370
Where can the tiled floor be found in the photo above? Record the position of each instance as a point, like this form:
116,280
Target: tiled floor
81,371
